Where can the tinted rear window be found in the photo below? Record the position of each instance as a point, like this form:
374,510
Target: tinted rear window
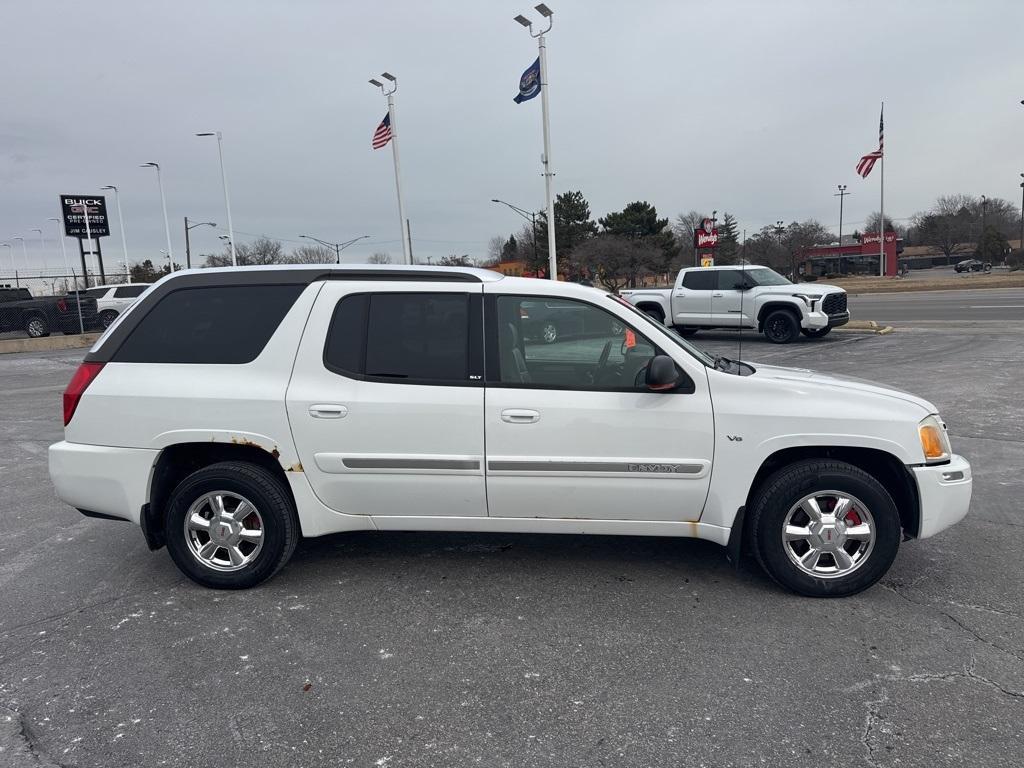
226,324
700,281
129,291
402,337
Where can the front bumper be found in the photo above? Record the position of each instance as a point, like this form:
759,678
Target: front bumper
945,492
101,479
817,320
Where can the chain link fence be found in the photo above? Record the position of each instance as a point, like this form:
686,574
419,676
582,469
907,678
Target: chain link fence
38,304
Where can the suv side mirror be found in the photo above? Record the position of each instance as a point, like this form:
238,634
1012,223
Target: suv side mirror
662,374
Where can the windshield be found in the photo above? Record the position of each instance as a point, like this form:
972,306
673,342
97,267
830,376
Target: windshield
669,332
765,276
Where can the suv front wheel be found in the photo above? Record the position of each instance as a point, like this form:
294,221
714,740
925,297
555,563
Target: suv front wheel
824,528
231,525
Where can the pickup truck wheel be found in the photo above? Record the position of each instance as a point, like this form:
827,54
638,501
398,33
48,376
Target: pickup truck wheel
687,332
107,316
230,525
824,528
36,326
781,327
655,314
815,333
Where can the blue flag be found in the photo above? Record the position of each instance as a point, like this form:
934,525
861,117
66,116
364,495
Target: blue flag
529,83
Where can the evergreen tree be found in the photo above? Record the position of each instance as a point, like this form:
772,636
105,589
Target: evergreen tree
728,240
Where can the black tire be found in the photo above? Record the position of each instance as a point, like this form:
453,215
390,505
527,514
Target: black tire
781,326
777,495
687,332
280,524
815,333
37,326
107,316
655,314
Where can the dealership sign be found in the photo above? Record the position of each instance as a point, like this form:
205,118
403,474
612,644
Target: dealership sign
706,235
74,209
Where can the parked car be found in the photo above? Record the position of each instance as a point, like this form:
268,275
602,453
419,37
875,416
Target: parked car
549,321
973,265
752,297
112,300
41,315
230,412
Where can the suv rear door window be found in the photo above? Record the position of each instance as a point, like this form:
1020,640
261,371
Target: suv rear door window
411,338
700,281
222,324
129,291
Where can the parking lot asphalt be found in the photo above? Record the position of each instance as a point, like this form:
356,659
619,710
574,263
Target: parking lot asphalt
523,650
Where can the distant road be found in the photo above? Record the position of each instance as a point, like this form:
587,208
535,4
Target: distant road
1002,305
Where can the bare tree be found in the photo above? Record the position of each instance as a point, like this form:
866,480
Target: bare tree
379,258
452,260
494,248
685,223
615,261
312,254
261,251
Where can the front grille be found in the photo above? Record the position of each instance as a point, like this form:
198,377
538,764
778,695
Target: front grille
834,303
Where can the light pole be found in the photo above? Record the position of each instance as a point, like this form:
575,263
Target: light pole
1020,245
120,221
841,194
338,247
42,249
224,183
389,91
188,245
532,217
549,172
163,203
24,251
63,250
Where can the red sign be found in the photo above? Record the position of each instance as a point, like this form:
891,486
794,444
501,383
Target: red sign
872,237
706,235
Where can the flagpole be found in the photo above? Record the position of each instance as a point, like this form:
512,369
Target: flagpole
406,245
881,206
548,171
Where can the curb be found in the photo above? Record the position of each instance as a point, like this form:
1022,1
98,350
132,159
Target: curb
865,326
47,343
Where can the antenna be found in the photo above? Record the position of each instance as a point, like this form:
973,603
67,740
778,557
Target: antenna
743,284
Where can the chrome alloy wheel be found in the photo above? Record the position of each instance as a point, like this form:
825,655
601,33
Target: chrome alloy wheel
224,531
828,534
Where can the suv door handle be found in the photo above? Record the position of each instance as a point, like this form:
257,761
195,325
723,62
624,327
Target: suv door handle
717,295
520,416
328,411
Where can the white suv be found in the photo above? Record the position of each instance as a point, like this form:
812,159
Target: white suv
230,412
112,300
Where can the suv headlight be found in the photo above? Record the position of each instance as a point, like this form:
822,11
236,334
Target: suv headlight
807,299
934,440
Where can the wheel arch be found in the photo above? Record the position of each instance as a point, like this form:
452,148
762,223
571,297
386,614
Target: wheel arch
771,306
177,461
651,305
883,466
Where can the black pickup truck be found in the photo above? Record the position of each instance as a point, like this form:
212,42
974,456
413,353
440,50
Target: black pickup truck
42,315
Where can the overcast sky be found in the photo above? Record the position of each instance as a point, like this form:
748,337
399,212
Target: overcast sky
757,108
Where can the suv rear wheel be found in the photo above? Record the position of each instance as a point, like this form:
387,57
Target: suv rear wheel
824,528
231,525
107,316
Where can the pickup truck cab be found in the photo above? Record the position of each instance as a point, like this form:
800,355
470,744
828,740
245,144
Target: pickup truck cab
230,411
744,297
39,316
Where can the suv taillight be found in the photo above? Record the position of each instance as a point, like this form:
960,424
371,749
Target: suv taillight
76,387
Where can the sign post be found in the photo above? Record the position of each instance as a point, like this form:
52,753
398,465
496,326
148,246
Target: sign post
85,218
705,240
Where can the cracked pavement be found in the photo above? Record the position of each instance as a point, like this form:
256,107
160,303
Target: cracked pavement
450,649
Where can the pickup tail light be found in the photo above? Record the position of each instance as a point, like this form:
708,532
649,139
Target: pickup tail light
83,377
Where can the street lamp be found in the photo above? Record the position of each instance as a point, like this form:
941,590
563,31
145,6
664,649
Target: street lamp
42,248
389,92
841,194
224,183
338,247
120,220
531,216
1020,245
63,250
163,203
24,251
542,56
188,246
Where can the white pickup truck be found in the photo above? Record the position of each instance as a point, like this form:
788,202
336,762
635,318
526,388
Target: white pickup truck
751,297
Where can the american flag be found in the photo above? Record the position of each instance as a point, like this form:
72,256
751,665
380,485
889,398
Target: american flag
383,133
868,161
